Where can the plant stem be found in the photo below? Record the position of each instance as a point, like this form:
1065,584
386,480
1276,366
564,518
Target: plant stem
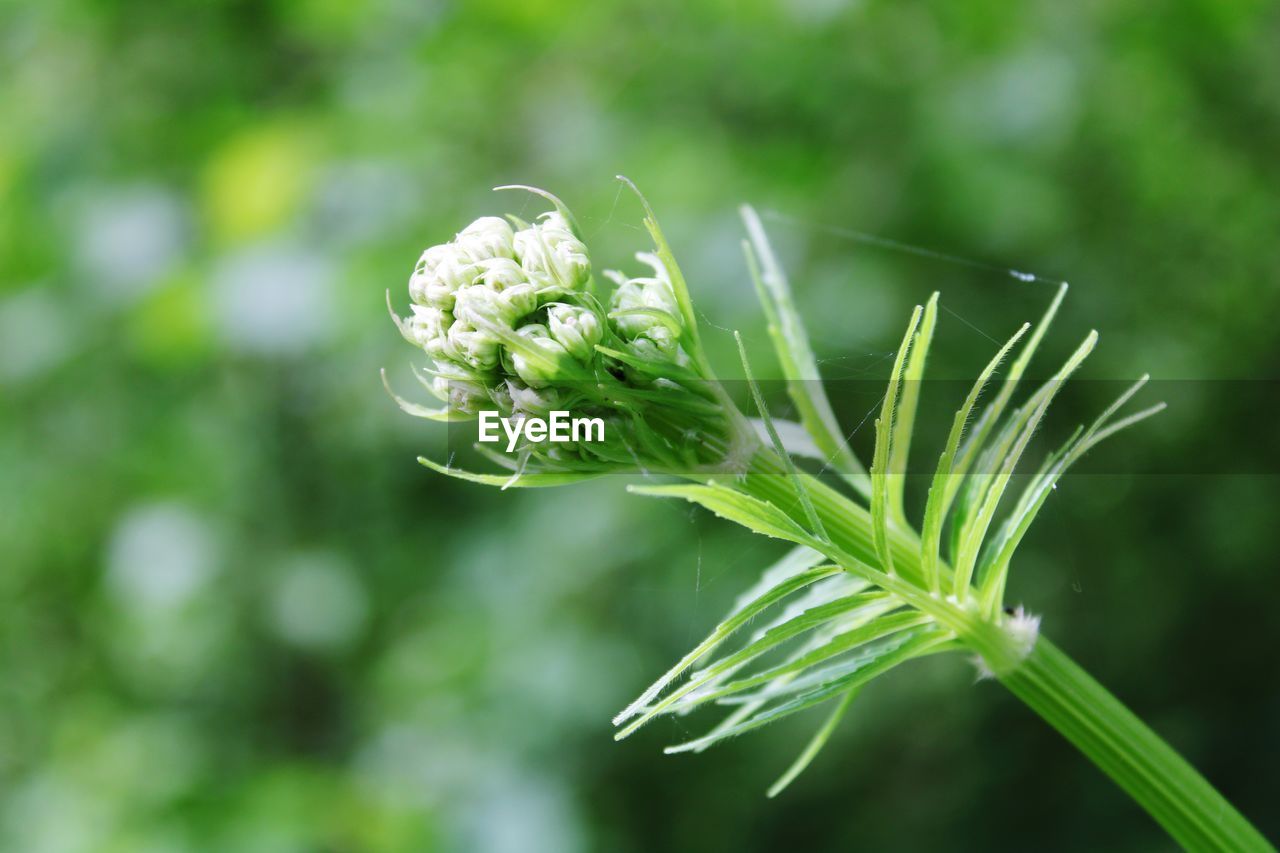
1062,693
1169,788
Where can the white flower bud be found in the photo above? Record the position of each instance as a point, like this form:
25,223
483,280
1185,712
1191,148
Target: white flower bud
500,274
477,349
440,272
652,294
482,307
487,238
577,329
479,306
552,256
535,372
461,395
427,327
657,344
522,300
531,401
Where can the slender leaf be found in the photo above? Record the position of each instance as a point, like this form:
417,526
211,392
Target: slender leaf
443,415
724,630
815,745
1037,492
940,492
865,672
1027,419
883,448
700,688
534,480
991,414
802,492
795,355
751,513
904,420
676,278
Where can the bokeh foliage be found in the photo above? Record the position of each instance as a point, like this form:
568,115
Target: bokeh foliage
237,616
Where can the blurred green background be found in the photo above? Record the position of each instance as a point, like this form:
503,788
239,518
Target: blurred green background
236,615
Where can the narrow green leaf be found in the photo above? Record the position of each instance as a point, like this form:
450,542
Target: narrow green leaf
560,206
802,492
1027,419
806,668
790,340
815,745
678,285
724,630
751,513
444,415
869,669
883,449
940,492
904,421
819,637
991,414
701,687
995,572
537,479
649,368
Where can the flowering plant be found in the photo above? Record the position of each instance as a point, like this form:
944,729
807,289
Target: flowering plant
512,317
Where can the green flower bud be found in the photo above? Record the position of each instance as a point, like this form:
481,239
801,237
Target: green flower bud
644,295
500,274
440,272
428,327
487,238
521,299
477,349
535,372
532,401
461,395
552,257
577,329
479,306
656,344
501,397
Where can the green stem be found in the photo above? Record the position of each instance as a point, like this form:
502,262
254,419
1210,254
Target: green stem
1169,788
1164,784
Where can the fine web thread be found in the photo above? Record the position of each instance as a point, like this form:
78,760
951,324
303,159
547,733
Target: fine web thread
909,248
889,244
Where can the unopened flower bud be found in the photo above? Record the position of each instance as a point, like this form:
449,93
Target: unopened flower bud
460,395
480,307
427,327
487,238
657,344
552,257
537,372
522,300
439,274
532,401
500,273
477,349
643,295
577,329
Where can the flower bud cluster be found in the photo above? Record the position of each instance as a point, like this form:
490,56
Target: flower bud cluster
478,300
511,321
